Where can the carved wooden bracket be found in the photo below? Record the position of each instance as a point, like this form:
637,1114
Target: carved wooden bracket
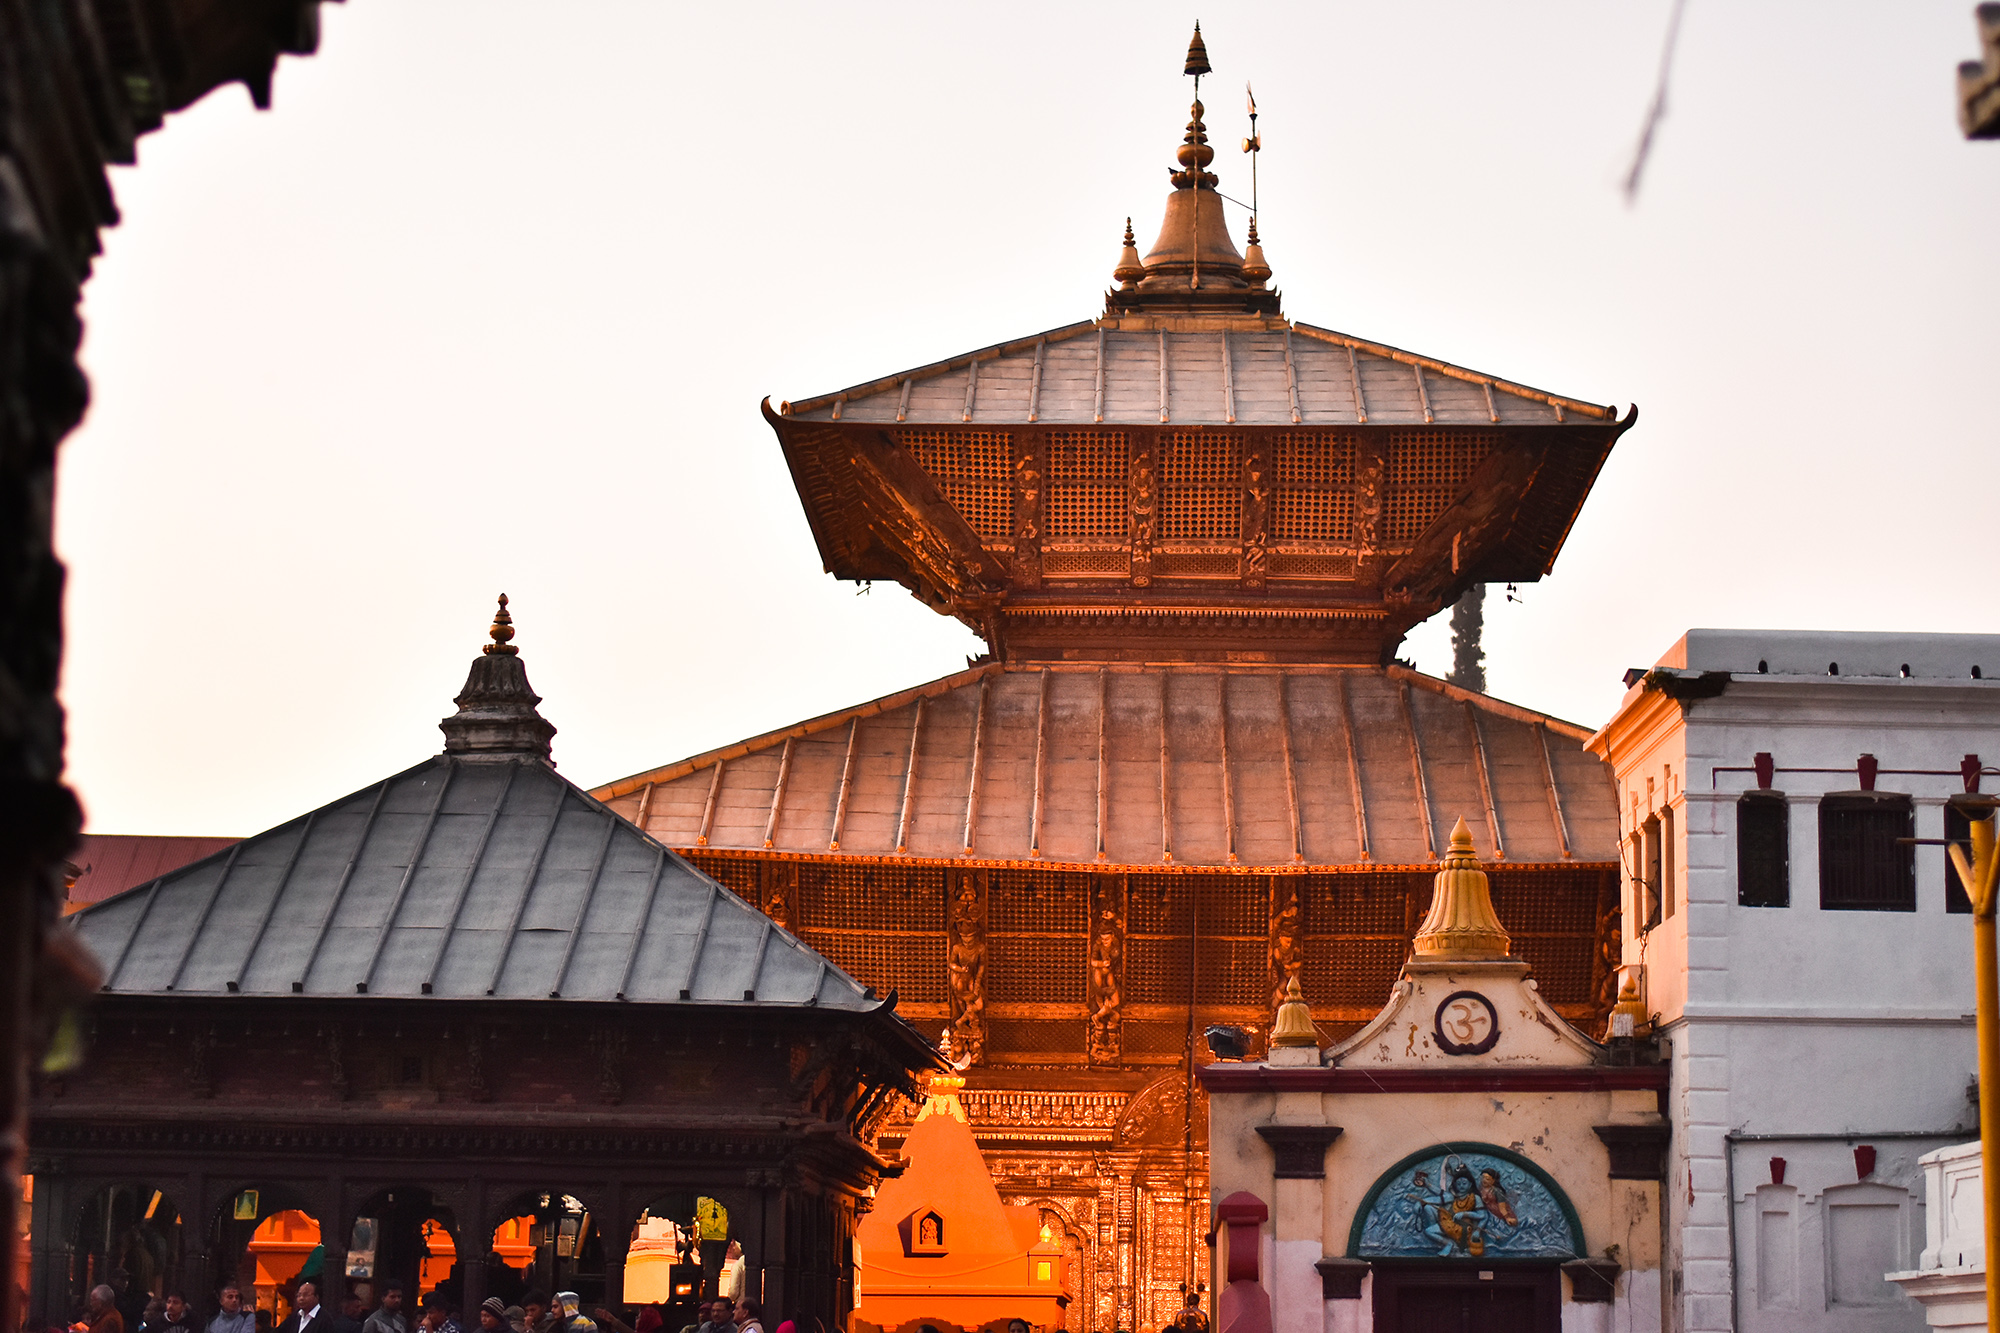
1243,1213
1638,1152
1592,1281
1340,1279
1299,1150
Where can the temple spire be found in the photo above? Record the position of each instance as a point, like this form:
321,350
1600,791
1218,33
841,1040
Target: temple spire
1461,925
496,717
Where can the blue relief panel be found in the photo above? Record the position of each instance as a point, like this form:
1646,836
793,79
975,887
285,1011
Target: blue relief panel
1462,1203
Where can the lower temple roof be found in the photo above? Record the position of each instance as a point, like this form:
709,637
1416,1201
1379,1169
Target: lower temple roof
1149,766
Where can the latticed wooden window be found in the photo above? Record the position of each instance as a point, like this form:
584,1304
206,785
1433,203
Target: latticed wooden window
1763,850
1201,487
1088,486
1426,471
883,926
1313,488
1862,866
972,468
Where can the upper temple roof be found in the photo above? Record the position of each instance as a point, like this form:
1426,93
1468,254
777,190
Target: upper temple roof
1192,476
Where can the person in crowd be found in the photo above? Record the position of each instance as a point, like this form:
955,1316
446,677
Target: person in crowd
729,1285
569,1315
131,1299
1018,1326
493,1316
306,1312
264,1321
176,1317
535,1312
353,1311
103,1309
789,1326
389,1316
749,1315
156,1314
231,1317
437,1318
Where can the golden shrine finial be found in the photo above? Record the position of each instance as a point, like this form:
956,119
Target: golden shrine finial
1255,271
1129,269
502,631
1294,1025
1461,924
1628,1016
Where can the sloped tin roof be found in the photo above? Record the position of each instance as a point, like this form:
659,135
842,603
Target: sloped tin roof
459,878
1283,376
1158,767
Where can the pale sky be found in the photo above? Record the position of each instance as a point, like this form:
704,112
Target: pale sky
488,300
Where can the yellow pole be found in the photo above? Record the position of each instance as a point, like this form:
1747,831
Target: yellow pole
1978,877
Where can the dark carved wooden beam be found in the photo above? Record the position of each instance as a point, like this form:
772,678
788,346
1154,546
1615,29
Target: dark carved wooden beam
1299,1150
1638,1152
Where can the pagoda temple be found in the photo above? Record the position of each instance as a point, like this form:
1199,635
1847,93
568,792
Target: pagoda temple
1192,532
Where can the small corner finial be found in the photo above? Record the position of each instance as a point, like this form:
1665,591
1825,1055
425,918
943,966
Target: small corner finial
1130,267
1294,1025
1461,841
1197,56
502,631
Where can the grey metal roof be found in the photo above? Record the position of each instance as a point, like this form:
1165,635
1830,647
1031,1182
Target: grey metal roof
459,878
1149,767
1268,373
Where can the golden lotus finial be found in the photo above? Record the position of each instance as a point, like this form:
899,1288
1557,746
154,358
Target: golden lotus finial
1294,1025
502,631
1461,924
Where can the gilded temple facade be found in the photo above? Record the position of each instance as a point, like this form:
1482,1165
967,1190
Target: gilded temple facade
1192,533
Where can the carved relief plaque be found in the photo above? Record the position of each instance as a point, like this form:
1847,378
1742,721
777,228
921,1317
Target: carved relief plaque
965,960
1107,966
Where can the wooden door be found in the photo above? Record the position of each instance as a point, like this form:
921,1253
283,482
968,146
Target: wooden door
1458,1300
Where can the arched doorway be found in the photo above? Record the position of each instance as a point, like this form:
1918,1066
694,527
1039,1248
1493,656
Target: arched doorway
403,1235
1466,1235
668,1260
547,1241
266,1239
129,1238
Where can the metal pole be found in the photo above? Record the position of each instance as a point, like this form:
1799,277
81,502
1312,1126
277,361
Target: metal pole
1978,878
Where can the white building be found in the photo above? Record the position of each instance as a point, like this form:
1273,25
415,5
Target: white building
1810,972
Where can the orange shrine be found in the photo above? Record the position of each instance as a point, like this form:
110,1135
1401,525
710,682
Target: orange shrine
940,1247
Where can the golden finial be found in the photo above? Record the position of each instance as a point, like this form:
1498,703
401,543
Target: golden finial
941,1088
1255,271
1129,269
1461,924
502,631
1294,1026
1628,1016
1197,56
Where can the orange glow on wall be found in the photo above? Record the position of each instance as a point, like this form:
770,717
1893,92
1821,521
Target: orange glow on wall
513,1242
441,1252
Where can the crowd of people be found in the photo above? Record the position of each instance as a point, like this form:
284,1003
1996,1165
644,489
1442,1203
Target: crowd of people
534,1313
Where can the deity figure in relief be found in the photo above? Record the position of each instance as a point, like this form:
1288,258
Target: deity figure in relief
1287,946
1256,519
1107,959
965,963
1145,503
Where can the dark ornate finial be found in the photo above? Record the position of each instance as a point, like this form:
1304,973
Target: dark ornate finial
496,716
502,631
1197,56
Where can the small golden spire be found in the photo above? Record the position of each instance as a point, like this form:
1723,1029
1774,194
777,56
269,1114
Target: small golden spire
1628,1016
941,1088
1129,269
1197,56
1294,1026
1461,924
1255,271
502,631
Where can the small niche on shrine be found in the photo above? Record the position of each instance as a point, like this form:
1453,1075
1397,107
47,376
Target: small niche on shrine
923,1233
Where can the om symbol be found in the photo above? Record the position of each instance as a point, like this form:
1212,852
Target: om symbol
1466,1024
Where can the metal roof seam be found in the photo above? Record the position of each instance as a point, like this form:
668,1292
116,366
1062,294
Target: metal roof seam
347,873
215,891
410,871
527,890
271,907
611,822
645,921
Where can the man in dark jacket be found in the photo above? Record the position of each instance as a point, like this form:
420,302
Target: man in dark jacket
306,1315
388,1317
